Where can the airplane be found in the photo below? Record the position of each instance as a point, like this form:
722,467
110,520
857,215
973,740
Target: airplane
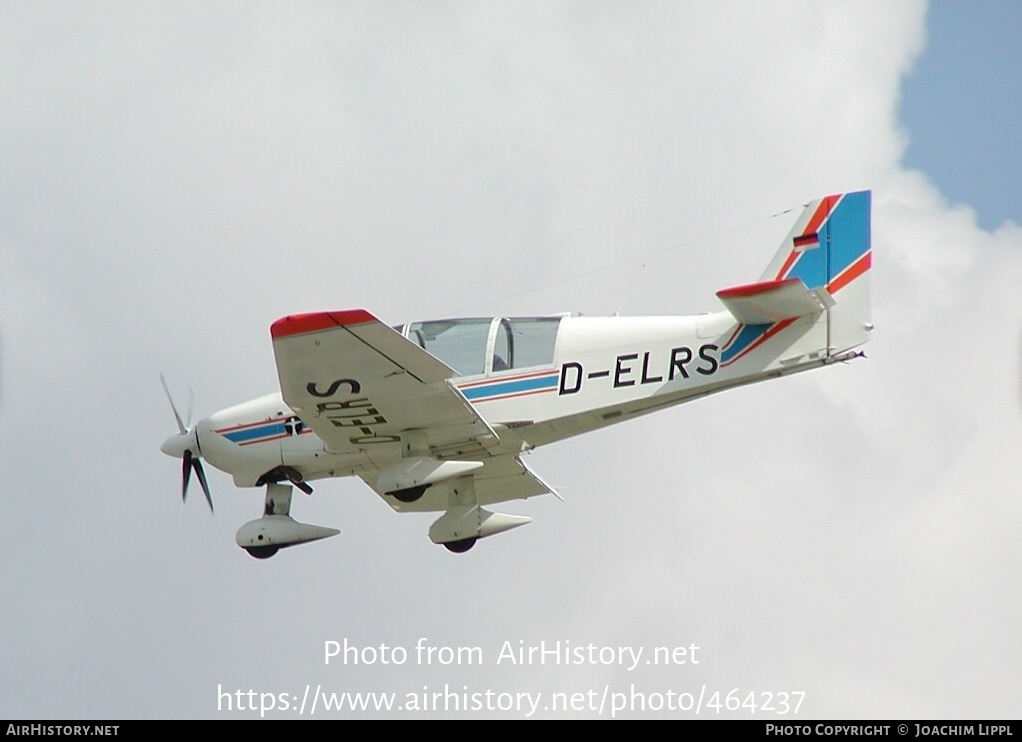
435,415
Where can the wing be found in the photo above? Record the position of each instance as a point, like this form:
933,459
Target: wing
503,477
359,384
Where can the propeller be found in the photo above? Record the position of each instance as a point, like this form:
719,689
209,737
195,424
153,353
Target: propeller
185,445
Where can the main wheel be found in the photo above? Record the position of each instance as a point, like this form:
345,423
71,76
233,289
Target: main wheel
262,552
461,545
409,495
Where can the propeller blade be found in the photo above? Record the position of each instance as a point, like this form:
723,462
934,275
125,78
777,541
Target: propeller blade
187,437
180,425
202,481
186,473
191,461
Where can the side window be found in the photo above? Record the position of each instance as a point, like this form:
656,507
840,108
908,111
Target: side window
460,343
532,341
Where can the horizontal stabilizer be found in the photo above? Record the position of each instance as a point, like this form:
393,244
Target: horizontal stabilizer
773,301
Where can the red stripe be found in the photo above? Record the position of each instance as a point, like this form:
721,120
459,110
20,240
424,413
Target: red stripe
789,261
822,212
299,324
755,289
731,339
509,396
502,379
263,440
242,426
852,272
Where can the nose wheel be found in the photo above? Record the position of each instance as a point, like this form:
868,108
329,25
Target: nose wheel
276,529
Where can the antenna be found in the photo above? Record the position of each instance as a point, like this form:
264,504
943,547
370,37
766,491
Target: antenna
628,291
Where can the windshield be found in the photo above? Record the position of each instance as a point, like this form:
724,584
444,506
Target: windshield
518,342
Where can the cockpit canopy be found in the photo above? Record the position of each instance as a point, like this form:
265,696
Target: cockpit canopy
487,345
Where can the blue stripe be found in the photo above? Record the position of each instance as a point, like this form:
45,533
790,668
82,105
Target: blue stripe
849,231
511,387
248,434
746,337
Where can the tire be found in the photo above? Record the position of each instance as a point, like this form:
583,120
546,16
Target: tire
461,545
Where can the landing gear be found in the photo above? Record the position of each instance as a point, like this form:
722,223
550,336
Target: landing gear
285,474
265,536
461,545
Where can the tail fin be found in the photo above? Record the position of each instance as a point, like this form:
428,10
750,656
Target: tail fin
828,246
823,264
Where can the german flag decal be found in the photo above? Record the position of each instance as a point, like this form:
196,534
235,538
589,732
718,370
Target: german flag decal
806,241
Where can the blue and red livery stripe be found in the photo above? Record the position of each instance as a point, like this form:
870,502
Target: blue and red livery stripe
850,273
746,338
259,432
507,387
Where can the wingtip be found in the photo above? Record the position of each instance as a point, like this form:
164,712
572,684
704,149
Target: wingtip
300,324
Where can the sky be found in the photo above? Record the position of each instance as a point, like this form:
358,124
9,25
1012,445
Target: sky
178,176
962,105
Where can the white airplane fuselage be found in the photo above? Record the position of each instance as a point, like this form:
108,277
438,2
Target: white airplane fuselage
434,415
604,370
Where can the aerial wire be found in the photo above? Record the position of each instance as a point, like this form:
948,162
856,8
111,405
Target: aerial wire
632,259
